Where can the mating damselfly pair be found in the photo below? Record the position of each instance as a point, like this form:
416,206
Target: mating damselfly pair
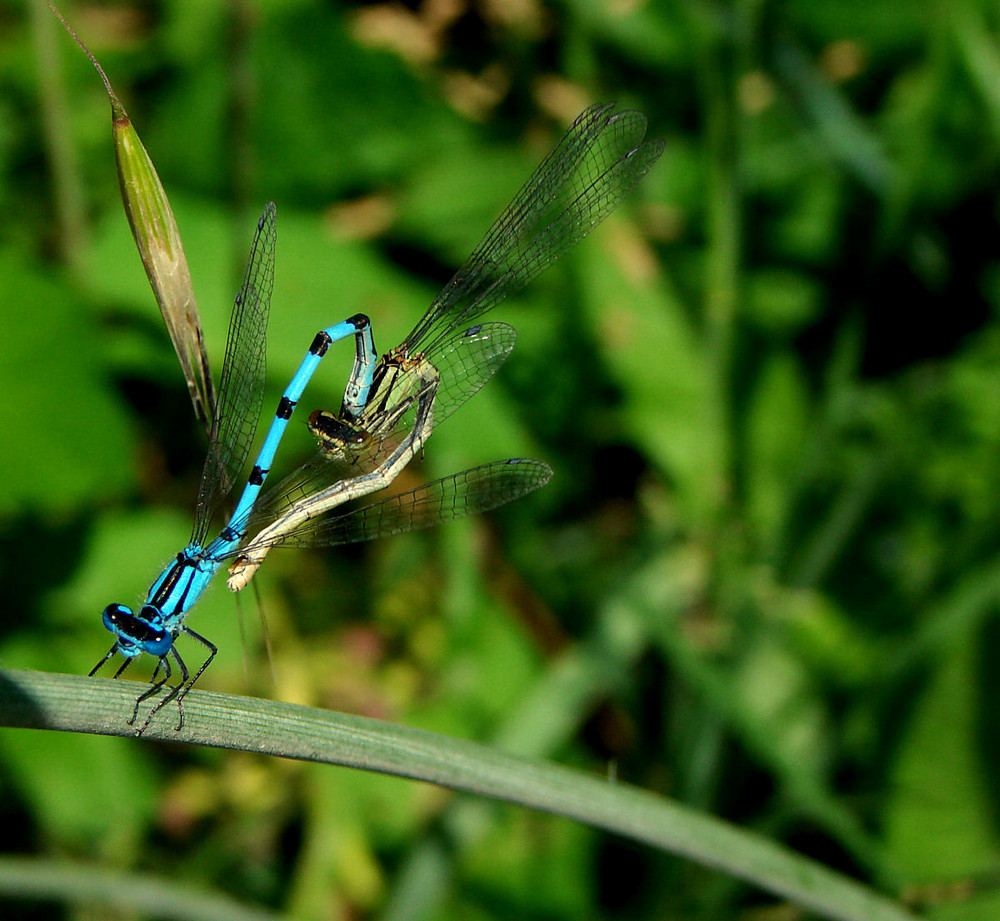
390,406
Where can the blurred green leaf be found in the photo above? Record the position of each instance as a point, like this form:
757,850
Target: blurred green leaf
49,772
67,438
777,424
939,819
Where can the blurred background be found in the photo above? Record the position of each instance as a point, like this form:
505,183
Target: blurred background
764,578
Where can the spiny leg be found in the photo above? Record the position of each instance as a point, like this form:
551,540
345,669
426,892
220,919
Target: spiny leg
212,650
123,666
156,671
179,691
111,652
155,687
174,691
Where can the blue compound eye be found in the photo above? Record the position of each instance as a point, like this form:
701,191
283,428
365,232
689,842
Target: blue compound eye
115,616
157,642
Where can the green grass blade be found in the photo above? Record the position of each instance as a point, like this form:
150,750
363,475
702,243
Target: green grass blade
48,701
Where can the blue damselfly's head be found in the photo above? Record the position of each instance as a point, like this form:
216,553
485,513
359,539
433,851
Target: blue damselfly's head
137,633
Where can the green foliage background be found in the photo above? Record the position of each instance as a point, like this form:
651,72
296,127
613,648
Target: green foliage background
764,578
